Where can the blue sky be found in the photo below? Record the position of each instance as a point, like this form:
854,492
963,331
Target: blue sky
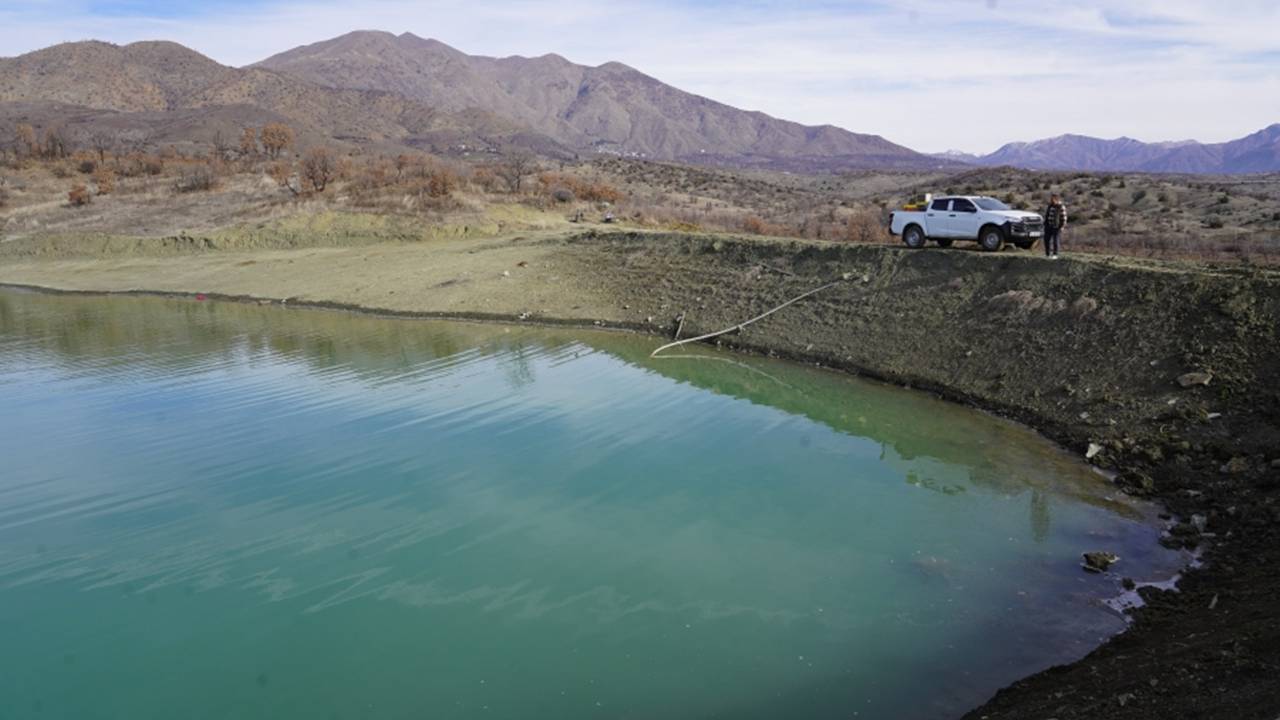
931,74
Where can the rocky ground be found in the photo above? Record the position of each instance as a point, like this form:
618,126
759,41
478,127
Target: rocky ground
1166,374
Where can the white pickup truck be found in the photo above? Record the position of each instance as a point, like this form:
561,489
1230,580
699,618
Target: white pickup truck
968,217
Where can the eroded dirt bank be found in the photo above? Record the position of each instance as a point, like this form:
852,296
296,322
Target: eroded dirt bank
1089,351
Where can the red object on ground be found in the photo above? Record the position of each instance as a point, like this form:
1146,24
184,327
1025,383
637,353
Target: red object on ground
200,296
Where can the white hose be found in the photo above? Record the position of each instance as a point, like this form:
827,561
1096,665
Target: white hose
745,323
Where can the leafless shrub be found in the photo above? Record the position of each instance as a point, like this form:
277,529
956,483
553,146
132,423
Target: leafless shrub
24,141
139,164
282,172
487,179
54,144
757,225
557,184
248,142
318,168
221,145
865,226
79,195
197,178
105,180
136,142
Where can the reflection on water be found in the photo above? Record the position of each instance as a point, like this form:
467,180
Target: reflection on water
216,510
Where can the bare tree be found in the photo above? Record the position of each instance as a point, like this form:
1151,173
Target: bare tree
24,141
249,142
319,167
55,143
221,146
137,141
516,168
101,142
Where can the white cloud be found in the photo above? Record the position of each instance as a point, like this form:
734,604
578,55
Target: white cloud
931,74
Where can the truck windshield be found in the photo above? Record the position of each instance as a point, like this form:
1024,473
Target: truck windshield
987,203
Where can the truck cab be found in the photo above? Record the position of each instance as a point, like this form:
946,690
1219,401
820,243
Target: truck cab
979,218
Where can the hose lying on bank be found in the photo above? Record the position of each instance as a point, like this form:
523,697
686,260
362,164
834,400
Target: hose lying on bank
745,323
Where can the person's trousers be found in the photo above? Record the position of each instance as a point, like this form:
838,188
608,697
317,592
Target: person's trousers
1051,236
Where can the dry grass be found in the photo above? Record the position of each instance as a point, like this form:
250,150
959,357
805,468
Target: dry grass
1220,219
1174,217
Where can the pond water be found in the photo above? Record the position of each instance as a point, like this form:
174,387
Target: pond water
220,510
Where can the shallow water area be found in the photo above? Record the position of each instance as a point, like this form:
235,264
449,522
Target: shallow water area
221,510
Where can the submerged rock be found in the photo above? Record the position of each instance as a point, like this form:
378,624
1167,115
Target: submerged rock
1193,379
1099,561
1235,466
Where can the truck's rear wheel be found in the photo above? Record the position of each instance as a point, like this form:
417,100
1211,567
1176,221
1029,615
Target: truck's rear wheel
991,239
914,237
944,242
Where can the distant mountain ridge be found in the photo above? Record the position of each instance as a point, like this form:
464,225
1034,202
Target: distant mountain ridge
179,94
372,87
610,108
1256,153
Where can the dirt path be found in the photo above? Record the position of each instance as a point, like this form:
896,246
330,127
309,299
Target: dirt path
1087,350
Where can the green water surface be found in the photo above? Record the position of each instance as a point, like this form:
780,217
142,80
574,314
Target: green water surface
217,510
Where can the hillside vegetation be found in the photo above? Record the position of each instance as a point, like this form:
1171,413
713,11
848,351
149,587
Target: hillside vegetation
57,182
377,90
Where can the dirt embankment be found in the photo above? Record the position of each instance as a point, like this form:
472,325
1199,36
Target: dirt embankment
1088,350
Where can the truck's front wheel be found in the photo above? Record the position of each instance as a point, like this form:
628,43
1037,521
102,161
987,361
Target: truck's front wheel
991,239
914,237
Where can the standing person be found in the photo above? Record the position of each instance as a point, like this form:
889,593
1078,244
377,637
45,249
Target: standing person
1055,219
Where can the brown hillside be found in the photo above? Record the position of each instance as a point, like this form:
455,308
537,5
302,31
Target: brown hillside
133,78
180,95
610,108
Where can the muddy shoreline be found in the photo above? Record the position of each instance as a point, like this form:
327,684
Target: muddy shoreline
1087,352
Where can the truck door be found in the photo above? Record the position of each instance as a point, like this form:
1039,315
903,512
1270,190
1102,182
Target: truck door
935,222
963,221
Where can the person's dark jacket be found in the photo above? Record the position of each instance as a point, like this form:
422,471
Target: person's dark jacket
1055,217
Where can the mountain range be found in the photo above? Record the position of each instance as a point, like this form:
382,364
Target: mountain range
376,88
1259,152
379,90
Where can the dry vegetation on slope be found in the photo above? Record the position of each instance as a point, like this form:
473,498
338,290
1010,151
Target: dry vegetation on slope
165,188
171,93
610,108
1221,218
375,89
